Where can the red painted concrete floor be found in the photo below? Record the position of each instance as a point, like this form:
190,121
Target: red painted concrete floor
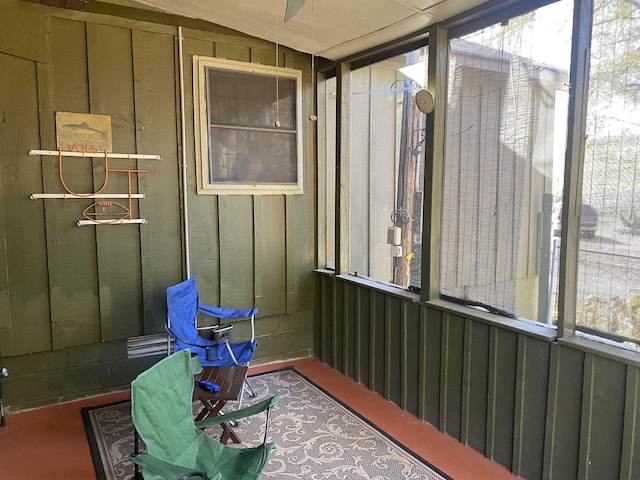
50,443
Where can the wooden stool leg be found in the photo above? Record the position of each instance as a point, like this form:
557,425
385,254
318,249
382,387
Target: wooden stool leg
228,433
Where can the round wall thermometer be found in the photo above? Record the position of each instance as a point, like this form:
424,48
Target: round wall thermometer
424,101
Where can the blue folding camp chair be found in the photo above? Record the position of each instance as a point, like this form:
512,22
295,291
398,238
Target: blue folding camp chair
183,306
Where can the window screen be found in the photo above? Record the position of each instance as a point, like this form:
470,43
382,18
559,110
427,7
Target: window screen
248,127
506,118
609,255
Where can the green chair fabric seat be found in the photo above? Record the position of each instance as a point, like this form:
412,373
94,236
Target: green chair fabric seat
161,400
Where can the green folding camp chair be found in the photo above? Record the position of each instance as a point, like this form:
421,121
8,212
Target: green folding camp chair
177,449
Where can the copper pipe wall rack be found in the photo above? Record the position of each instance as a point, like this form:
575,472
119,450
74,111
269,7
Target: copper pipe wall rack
102,212
133,156
69,196
82,223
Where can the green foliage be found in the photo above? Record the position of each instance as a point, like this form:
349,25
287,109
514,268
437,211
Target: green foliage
616,315
616,46
631,223
508,36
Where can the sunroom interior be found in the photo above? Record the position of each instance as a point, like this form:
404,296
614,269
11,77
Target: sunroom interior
435,199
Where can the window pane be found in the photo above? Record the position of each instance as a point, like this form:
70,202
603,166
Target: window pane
609,255
245,99
506,126
385,194
241,156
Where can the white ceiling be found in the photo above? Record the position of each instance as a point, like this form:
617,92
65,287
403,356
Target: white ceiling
336,29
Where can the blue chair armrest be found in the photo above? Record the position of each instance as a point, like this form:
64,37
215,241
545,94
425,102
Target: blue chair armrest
226,313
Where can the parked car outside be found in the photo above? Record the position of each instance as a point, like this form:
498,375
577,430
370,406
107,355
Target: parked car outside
588,220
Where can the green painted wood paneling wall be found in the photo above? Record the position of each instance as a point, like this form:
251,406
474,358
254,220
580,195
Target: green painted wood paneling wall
543,410
110,77
72,259
564,411
409,354
602,417
256,250
530,407
157,128
349,331
631,448
24,296
69,289
475,400
431,362
452,355
377,359
502,384
363,347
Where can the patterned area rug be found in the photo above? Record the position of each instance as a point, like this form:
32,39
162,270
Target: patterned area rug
317,437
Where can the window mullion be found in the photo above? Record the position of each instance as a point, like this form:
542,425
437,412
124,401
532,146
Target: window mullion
251,129
574,164
434,163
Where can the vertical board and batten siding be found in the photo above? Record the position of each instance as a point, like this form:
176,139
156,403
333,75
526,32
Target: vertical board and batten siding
502,386
631,449
94,280
602,417
25,298
349,330
157,108
392,349
336,329
410,351
530,406
21,219
378,360
430,365
72,296
110,77
235,223
204,231
564,412
72,260
452,355
271,254
363,347
475,393
541,409
593,420
256,250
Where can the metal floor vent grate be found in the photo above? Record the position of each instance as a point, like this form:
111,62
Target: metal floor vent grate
149,345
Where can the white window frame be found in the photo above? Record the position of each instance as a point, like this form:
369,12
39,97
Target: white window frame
201,130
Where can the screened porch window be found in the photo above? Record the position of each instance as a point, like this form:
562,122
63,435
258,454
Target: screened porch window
505,143
249,128
608,294
387,169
